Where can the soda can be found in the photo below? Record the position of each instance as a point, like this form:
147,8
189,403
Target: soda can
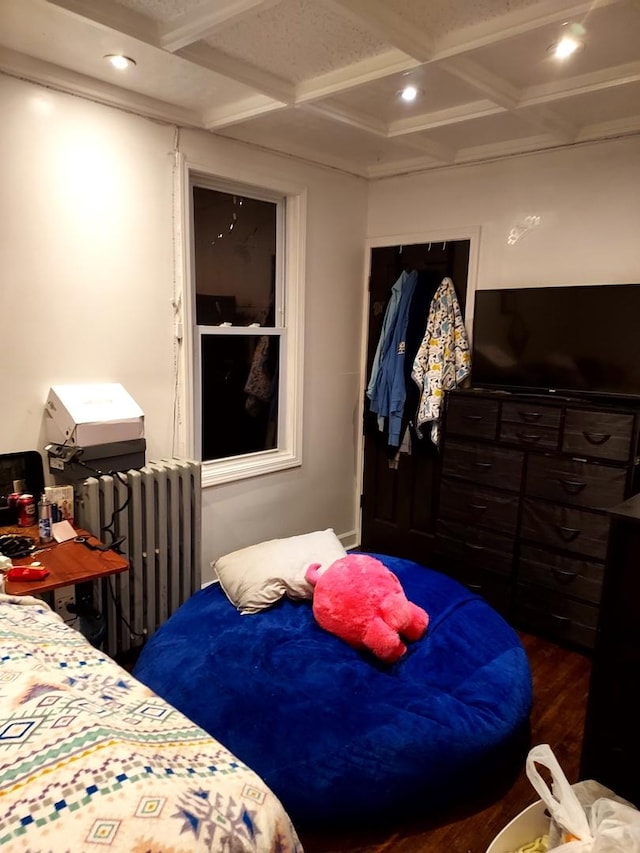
26,511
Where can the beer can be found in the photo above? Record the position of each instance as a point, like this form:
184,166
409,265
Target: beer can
26,510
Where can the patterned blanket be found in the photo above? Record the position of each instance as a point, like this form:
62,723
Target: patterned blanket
90,758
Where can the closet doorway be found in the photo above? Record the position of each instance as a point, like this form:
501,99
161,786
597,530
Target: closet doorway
399,489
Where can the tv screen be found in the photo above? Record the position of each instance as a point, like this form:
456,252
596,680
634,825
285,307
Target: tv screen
576,339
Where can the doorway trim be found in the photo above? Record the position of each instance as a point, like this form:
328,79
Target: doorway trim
436,235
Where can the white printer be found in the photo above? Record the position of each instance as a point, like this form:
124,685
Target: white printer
93,428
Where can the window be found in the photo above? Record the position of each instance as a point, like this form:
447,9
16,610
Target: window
246,262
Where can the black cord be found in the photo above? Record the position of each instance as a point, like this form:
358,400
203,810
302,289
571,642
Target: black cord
116,541
13,545
119,611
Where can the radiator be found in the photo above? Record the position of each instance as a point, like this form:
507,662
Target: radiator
157,509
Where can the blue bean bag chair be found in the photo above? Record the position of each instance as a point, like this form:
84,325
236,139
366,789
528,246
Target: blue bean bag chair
340,737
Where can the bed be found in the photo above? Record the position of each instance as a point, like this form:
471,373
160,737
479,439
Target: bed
91,758
339,736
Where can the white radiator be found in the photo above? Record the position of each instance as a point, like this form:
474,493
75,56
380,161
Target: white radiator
157,509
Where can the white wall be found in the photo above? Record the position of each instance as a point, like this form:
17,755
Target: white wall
587,199
86,270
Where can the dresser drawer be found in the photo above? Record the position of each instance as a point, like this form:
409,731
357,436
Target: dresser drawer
530,435
603,435
471,416
559,617
575,482
494,589
568,528
566,575
530,414
458,545
466,503
490,465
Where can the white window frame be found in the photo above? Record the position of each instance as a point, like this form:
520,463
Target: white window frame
288,325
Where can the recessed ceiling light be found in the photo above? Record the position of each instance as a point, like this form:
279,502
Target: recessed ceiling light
569,42
409,94
119,61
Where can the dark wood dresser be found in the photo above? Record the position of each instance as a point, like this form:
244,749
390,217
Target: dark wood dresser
522,515
611,744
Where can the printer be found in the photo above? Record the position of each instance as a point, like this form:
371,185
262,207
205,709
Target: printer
91,429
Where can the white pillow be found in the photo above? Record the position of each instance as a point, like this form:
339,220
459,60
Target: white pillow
256,577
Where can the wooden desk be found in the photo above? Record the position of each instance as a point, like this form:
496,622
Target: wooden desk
69,563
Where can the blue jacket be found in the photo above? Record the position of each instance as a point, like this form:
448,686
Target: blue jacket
388,387
386,331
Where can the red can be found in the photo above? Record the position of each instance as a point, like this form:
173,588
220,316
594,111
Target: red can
13,500
26,507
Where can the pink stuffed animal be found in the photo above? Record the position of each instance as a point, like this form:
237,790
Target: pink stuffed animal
359,600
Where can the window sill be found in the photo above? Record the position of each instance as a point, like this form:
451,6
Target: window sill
241,468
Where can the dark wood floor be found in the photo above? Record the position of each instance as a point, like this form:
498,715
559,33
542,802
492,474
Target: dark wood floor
560,683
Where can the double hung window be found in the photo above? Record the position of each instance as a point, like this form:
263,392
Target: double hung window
246,286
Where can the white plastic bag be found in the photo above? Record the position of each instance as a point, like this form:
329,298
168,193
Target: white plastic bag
607,825
561,801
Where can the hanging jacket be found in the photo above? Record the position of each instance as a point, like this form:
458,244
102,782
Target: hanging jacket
443,360
386,331
389,389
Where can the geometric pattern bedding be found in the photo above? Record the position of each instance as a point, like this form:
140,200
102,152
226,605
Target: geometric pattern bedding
91,759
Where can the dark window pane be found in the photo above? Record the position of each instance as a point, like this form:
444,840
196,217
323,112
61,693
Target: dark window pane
239,394
235,251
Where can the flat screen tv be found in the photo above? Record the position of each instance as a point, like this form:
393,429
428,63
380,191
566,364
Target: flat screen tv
575,340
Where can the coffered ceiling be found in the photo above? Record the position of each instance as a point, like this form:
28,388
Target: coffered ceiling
320,79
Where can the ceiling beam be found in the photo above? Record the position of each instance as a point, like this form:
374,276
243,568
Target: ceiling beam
542,118
377,17
489,84
516,23
203,22
308,153
106,13
349,117
357,74
615,127
63,80
441,153
114,16
478,153
240,111
419,45
582,84
441,118
236,69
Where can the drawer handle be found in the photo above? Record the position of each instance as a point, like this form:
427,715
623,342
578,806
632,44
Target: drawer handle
473,547
568,533
530,416
479,507
474,587
528,436
563,575
564,619
474,417
597,437
484,465
573,487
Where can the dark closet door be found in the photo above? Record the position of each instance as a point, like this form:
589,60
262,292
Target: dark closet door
398,503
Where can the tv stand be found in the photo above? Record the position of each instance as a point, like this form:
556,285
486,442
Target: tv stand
521,518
